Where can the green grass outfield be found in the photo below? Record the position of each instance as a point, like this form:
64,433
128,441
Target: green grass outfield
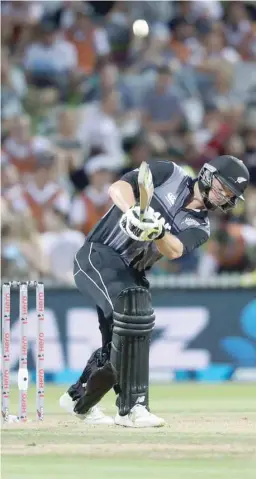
210,433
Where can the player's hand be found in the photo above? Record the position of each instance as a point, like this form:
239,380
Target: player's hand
149,229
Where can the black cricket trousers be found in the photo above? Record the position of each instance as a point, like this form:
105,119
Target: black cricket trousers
100,272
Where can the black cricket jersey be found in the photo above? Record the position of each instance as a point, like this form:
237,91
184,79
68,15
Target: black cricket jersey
173,189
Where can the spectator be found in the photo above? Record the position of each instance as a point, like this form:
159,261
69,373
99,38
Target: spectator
227,248
250,150
250,161
153,12
98,128
155,53
65,137
183,41
210,9
220,130
11,188
68,148
78,176
14,89
239,30
222,93
208,127
21,13
108,80
163,114
89,40
129,115
21,253
21,146
213,50
118,27
43,195
18,20
91,204
138,150
51,61
60,244
235,146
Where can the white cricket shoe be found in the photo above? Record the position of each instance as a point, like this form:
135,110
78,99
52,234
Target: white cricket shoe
139,417
94,416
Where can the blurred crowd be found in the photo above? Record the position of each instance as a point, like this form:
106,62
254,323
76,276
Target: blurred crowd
90,90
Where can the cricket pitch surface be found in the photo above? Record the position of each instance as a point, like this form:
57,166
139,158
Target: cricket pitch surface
210,433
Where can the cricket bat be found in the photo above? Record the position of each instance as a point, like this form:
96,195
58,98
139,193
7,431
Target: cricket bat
146,188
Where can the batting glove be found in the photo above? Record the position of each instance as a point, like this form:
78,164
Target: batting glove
149,229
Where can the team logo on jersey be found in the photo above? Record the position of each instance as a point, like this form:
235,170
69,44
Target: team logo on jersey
191,221
171,198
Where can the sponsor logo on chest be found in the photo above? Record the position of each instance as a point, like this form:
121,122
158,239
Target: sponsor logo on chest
171,198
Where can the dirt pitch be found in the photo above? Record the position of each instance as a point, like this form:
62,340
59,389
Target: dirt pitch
202,427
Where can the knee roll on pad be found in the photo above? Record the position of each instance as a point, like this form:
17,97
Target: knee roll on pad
133,322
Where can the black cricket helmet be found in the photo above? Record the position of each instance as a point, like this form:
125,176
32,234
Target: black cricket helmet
229,171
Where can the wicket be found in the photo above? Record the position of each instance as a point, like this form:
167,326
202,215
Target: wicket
24,287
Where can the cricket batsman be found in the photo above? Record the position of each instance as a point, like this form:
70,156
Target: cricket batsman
167,215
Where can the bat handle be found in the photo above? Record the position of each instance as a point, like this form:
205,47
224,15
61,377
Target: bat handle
141,214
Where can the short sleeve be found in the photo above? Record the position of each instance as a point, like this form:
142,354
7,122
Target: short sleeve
101,42
192,238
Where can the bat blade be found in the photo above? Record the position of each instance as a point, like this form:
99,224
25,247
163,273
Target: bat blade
146,188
